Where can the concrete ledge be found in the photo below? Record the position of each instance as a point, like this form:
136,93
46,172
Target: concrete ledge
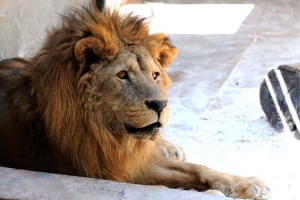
21,184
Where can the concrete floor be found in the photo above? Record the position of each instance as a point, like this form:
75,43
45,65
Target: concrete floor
214,101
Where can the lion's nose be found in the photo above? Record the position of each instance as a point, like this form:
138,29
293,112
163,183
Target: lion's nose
157,106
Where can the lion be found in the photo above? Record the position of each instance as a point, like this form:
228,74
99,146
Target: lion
12,63
92,103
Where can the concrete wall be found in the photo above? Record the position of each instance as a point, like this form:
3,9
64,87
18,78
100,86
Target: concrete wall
24,24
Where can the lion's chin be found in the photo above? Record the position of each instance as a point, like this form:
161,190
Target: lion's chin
147,132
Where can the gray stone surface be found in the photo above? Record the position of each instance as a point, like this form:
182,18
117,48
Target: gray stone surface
24,24
215,111
20,184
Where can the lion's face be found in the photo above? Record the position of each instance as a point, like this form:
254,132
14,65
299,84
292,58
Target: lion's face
129,93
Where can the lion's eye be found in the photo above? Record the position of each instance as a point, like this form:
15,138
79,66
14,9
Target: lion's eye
155,75
123,75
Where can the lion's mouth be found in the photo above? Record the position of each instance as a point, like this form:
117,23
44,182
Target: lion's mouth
152,128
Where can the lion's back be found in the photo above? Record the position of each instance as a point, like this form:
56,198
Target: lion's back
8,70
9,81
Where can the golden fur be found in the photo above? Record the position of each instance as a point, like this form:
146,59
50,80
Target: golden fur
90,104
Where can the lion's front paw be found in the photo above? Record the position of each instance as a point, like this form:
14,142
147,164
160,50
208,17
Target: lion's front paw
255,188
170,150
240,187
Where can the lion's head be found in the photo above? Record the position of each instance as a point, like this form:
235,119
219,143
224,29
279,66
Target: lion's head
100,79
123,74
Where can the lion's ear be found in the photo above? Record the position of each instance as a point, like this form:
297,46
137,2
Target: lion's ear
161,49
91,50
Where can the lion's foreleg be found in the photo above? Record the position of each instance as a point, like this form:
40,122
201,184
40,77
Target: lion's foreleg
178,174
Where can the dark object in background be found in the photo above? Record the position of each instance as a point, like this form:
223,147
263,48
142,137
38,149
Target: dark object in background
280,97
